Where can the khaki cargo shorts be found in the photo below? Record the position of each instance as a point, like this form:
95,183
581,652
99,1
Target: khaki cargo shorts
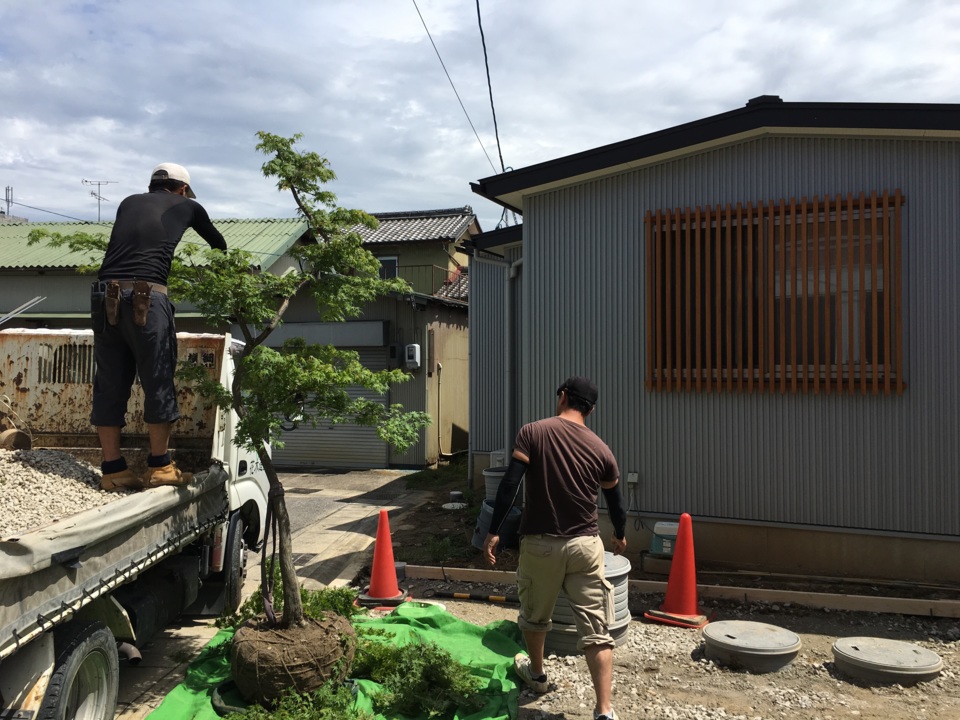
549,564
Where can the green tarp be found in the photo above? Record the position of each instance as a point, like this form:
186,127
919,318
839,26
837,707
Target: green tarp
488,651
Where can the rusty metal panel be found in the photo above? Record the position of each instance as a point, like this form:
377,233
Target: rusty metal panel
47,377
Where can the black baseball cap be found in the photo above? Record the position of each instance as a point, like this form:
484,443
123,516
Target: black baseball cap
582,387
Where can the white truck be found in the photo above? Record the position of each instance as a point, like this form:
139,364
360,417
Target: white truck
77,592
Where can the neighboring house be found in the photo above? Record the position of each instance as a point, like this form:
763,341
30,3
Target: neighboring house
28,272
430,323
768,301
432,318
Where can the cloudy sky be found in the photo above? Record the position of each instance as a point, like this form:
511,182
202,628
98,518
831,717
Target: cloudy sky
104,90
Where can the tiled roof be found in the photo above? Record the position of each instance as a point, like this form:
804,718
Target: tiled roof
457,287
419,225
267,239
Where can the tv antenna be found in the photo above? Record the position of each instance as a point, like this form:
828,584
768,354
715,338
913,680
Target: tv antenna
96,193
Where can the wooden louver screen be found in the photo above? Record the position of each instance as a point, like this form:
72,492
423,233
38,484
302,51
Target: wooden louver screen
776,297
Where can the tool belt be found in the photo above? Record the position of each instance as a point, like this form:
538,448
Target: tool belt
128,285
139,299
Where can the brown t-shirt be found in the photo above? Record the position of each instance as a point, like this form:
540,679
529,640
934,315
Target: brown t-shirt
567,464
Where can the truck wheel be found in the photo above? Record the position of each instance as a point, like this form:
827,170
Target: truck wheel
86,674
235,569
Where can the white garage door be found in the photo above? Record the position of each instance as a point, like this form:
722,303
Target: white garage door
338,446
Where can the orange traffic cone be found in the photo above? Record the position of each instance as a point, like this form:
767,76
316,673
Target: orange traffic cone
383,588
680,605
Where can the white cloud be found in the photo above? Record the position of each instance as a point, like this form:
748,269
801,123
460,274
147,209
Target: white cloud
106,90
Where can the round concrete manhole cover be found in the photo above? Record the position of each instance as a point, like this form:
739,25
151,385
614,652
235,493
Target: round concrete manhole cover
753,646
885,660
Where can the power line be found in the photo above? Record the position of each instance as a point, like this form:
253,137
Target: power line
454,87
486,64
50,212
504,219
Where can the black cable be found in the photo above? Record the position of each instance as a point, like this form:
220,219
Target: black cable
493,111
51,212
454,87
633,506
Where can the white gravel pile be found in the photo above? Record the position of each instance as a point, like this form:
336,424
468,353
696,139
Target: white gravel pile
38,487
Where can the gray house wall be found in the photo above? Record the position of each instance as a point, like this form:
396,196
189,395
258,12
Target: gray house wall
489,350
858,465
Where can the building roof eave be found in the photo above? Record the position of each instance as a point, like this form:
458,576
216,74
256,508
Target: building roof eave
494,240
424,299
766,115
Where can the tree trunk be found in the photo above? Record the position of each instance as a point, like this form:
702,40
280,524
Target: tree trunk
292,606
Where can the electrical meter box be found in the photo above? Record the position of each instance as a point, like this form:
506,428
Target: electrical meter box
412,357
664,538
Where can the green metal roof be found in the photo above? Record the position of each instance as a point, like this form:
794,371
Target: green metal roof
267,239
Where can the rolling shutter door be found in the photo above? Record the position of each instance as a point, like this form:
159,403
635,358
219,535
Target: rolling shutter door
338,446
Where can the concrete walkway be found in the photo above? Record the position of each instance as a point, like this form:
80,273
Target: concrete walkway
333,517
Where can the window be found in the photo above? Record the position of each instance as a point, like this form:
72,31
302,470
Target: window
388,267
777,297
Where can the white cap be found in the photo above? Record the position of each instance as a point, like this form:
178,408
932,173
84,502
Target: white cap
172,171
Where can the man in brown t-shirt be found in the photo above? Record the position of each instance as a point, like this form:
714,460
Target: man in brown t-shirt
566,467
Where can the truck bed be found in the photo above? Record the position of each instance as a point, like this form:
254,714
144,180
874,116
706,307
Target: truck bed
48,574
47,376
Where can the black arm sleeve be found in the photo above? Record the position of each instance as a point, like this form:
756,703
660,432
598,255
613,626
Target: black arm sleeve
507,493
618,516
207,230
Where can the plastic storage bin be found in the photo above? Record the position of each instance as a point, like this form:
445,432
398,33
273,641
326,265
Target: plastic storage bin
664,538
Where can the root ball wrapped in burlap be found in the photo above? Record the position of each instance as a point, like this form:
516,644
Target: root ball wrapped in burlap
267,662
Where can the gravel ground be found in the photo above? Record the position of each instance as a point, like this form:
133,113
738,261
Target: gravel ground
661,672
38,487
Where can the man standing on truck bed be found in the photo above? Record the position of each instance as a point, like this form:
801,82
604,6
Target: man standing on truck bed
133,323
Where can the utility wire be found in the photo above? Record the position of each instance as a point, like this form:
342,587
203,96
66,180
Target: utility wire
51,212
506,215
453,86
493,111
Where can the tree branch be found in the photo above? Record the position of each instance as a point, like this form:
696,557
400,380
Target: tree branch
308,213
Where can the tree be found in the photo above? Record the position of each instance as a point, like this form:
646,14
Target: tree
304,382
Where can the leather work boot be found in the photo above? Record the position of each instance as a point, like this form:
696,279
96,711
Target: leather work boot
166,475
123,480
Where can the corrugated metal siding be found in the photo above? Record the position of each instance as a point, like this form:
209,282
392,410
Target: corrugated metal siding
338,446
487,359
514,376
873,462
